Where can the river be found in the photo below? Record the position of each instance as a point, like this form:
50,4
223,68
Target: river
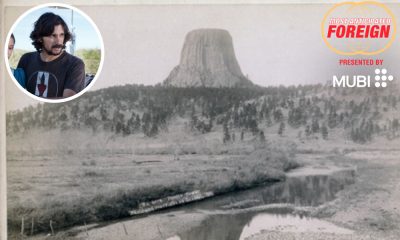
239,215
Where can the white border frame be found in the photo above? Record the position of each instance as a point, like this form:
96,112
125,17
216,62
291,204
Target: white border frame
62,99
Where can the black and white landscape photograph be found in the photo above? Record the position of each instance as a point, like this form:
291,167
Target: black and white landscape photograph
208,122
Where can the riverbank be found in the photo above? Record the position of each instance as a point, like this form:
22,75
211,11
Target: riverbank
83,187
228,216
367,208
79,187
370,207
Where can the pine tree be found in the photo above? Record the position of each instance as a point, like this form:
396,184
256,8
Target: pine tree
262,136
136,126
153,130
227,136
315,126
395,124
308,131
268,120
281,129
278,115
146,123
324,132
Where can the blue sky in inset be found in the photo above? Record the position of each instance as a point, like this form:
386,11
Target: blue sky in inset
86,35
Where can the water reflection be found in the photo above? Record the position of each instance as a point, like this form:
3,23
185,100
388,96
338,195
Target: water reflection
299,190
241,226
305,190
218,227
174,238
289,223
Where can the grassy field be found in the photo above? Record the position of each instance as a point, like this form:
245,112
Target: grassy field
75,178
78,177
369,206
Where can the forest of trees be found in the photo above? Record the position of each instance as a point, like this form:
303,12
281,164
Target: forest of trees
131,109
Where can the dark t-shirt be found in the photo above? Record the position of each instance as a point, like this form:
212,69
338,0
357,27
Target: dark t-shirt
49,79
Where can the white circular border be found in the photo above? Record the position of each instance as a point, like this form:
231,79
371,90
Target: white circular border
62,99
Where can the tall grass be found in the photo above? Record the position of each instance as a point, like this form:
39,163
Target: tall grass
261,163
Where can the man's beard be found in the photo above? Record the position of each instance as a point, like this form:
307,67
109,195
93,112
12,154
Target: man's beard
50,52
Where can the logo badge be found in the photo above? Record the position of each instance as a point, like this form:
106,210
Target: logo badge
381,78
358,28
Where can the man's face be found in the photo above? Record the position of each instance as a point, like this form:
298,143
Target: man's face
53,44
10,47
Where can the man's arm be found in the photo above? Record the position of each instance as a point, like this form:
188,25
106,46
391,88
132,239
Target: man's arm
68,93
75,80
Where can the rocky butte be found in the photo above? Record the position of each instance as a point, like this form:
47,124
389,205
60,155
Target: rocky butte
208,60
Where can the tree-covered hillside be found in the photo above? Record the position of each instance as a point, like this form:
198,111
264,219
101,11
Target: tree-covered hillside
132,109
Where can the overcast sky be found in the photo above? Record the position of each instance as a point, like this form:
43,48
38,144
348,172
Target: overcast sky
274,44
147,40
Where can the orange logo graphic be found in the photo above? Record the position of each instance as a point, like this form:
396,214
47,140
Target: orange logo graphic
352,28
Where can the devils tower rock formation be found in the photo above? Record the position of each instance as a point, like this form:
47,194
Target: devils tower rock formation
207,60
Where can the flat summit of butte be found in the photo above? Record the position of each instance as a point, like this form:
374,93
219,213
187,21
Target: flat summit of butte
208,60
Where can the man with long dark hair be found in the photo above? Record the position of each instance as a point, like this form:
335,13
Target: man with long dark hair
51,72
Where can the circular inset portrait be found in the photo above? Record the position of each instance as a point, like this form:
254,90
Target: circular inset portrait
54,52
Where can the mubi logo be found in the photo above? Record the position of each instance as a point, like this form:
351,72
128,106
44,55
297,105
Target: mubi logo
381,79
